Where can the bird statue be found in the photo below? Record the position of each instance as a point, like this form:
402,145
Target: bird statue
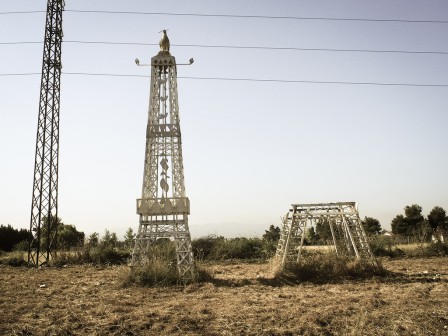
164,42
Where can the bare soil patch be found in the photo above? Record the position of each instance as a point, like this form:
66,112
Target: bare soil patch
87,300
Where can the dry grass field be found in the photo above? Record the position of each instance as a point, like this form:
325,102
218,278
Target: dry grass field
242,300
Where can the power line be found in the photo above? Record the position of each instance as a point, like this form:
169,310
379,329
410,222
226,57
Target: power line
236,16
257,16
19,74
23,12
241,79
422,52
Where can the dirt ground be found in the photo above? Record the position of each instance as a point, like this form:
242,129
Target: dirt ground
87,300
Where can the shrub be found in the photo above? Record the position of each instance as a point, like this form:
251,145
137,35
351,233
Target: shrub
108,255
160,274
327,267
238,248
157,273
220,248
101,255
202,247
382,246
21,246
161,268
14,259
437,249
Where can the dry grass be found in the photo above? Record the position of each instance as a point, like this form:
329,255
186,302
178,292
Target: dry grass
86,300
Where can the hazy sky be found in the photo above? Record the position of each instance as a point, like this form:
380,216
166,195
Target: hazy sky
250,148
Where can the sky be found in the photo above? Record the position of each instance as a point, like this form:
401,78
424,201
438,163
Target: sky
250,148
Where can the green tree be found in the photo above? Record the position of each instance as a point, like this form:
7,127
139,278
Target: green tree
129,238
54,223
438,221
68,236
414,217
371,226
109,239
399,225
411,224
273,234
9,237
270,240
312,236
323,229
423,231
94,239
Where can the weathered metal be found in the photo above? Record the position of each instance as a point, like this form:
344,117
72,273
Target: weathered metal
164,206
44,206
345,224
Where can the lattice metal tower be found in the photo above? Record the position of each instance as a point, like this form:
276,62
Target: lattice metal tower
44,207
164,207
345,225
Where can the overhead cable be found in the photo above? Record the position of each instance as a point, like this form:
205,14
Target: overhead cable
272,17
422,52
239,79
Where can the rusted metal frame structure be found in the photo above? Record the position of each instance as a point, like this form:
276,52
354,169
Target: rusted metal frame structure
164,207
348,235
44,207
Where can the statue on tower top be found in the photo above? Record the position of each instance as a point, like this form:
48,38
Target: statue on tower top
164,42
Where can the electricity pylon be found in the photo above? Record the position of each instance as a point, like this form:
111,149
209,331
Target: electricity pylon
164,207
44,206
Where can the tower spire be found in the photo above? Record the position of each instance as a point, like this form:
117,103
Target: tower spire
164,207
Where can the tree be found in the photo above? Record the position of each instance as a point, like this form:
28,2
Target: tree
323,229
69,237
273,234
50,225
94,239
399,225
129,238
270,240
414,217
109,239
423,231
438,221
411,224
371,226
312,236
9,237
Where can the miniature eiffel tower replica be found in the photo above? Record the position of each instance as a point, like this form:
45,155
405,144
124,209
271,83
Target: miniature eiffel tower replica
164,208
346,229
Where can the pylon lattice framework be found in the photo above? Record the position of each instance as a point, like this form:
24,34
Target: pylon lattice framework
345,224
164,207
44,207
